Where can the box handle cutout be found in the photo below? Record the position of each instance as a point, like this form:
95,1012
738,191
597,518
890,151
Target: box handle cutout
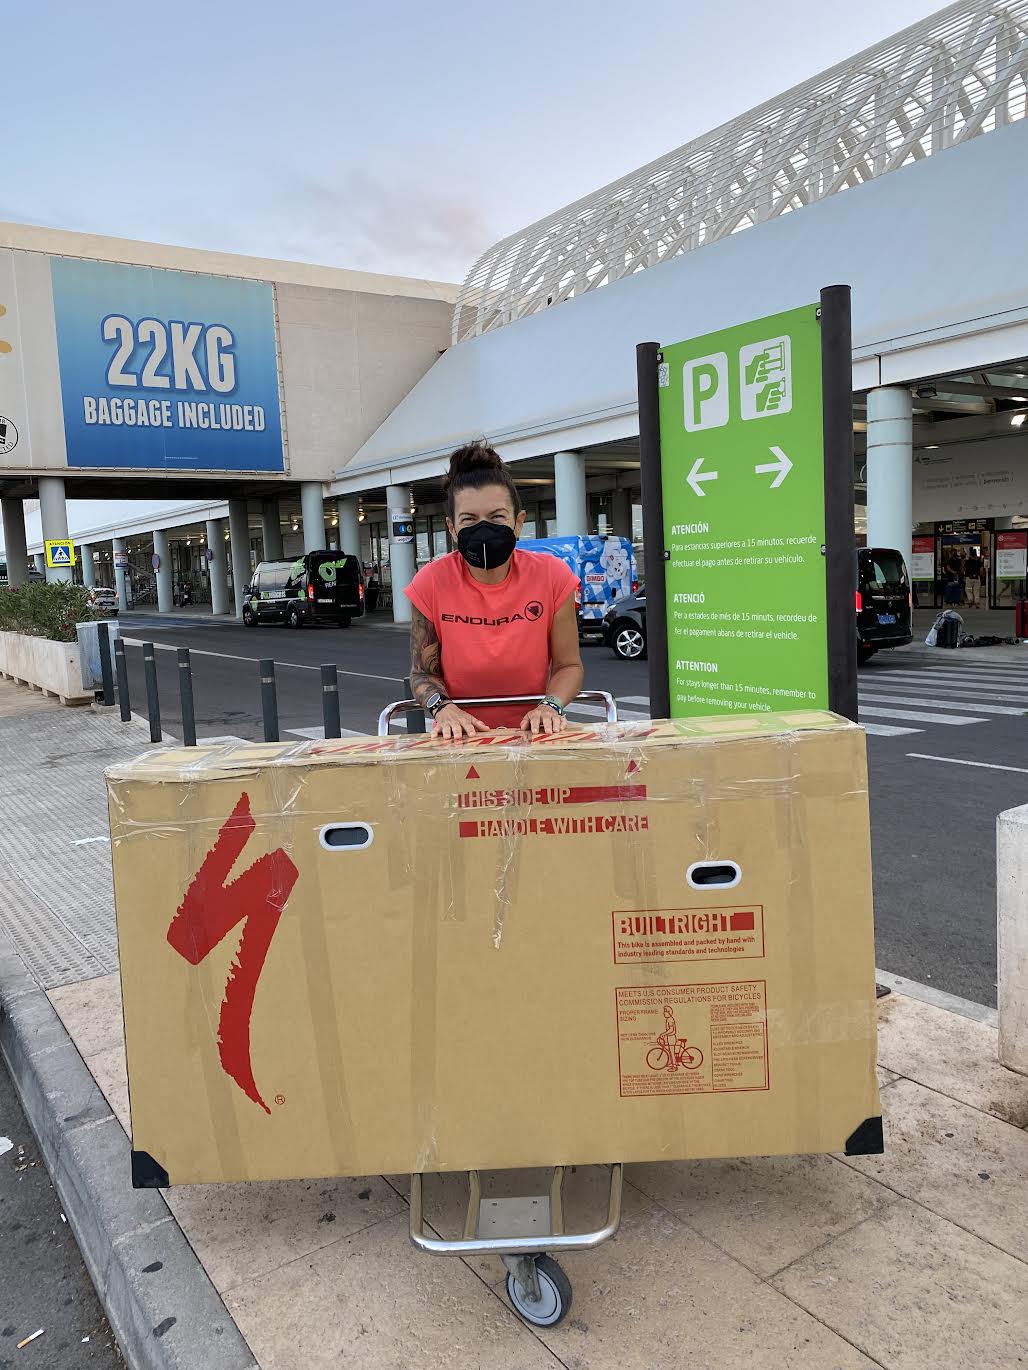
720,875
347,836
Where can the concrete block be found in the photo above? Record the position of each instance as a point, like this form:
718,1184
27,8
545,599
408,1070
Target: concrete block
1012,936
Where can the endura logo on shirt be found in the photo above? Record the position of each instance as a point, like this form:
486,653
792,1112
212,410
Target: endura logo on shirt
533,610
476,621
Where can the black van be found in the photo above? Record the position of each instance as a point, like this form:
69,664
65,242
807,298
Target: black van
321,587
883,601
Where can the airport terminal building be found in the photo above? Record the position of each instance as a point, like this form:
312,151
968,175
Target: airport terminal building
182,414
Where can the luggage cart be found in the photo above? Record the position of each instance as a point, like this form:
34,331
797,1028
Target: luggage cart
525,1231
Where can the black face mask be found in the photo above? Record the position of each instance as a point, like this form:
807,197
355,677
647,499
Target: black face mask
487,545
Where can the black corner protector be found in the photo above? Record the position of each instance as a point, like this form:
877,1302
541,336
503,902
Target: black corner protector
867,1139
147,1174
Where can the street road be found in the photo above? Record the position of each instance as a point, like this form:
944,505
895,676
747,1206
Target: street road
43,1283
932,819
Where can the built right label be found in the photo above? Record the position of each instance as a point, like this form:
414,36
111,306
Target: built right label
742,460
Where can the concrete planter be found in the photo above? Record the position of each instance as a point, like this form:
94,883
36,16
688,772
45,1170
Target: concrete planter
51,667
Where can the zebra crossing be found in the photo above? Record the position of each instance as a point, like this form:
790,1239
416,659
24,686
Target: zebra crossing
895,698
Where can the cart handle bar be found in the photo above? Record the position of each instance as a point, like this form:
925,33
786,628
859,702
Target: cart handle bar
515,1246
406,706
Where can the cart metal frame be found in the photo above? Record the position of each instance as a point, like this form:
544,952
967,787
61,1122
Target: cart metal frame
525,1229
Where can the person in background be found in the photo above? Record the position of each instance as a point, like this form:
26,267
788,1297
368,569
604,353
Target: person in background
973,579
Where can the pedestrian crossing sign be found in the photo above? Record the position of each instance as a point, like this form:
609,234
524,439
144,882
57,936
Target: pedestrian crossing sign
60,553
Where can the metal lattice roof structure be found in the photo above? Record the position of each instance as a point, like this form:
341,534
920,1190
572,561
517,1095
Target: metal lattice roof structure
943,81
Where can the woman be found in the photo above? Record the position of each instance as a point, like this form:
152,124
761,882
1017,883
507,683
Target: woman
490,620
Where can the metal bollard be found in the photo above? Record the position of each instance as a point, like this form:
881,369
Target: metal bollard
153,703
416,717
185,694
330,699
269,700
121,668
106,675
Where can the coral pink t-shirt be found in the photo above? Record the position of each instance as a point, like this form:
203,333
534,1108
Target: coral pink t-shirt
495,639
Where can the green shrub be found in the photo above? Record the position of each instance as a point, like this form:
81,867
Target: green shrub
42,610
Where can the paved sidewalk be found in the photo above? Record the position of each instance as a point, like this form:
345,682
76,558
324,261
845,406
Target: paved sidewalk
918,1258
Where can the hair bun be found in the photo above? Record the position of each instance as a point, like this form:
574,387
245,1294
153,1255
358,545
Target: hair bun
474,456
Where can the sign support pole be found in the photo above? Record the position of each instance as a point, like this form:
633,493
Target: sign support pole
840,543
654,557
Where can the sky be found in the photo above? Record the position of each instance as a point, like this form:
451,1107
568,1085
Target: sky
401,137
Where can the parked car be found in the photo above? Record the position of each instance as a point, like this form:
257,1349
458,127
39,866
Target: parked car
605,566
104,598
882,601
624,627
320,587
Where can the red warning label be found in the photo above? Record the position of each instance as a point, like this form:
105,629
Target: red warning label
587,826
693,1039
732,932
551,795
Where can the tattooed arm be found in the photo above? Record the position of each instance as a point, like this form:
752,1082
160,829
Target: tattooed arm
426,672
426,679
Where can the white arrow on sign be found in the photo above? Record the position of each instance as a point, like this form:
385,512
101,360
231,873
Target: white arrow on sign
695,476
781,467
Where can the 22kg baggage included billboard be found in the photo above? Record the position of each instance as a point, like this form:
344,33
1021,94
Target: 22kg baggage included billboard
647,942
166,370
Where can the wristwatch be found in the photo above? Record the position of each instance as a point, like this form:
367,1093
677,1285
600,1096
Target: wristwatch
435,702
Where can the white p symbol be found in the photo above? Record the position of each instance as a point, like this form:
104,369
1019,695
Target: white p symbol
705,391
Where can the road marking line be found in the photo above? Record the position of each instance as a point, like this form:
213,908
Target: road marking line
938,672
644,700
912,691
887,729
967,1008
85,841
958,761
970,673
877,698
253,660
914,716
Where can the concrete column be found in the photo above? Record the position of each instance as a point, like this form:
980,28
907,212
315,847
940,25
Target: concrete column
312,507
271,530
217,567
14,541
402,559
569,483
88,566
621,513
165,580
239,542
120,577
890,466
39,559
349,526
53,514
1012,929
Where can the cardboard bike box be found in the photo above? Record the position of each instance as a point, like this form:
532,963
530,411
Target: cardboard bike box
640,942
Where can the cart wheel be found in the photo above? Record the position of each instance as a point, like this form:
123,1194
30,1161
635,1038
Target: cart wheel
554,1295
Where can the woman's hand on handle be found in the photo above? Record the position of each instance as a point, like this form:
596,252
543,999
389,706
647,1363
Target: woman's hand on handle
452,724
543,721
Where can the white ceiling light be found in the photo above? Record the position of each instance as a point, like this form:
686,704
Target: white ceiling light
1017,420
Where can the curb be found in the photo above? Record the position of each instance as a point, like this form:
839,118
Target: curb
162,1307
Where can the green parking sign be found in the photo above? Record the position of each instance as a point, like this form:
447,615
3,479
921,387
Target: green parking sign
742,581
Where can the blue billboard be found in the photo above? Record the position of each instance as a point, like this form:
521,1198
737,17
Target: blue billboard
166,369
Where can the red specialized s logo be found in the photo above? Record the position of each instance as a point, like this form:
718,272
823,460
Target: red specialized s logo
209,912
